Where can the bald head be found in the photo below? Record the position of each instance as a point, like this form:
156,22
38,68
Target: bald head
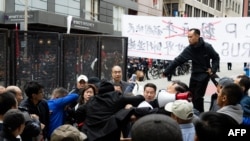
117,73
18,92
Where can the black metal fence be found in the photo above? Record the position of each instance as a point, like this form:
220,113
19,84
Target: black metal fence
4,71
55,59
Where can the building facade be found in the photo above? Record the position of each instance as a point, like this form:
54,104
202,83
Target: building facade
89,16
203,8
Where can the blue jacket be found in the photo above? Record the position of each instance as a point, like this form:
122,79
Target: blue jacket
245,104
57,112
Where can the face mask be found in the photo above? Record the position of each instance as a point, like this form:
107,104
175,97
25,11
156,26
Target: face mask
140,78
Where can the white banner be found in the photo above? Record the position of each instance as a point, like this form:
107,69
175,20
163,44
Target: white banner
166,37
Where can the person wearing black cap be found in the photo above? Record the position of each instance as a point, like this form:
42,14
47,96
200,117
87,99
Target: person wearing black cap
94,80
156,127
13,125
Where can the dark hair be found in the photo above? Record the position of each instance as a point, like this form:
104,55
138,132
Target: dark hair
156,127
7,101
213,126
245,82
196,31
32,87
181,87
105,86
12,119
152,85
82,90
233,92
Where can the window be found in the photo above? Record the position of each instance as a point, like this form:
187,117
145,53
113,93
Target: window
2,5
211,3
204,14
32,5
233,6
188,11
210,15
205,2
68,7
117,17
167,9
218,5
197,12
91,10
236,6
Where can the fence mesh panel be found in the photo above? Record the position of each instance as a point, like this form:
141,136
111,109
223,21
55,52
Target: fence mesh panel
54,59
37,59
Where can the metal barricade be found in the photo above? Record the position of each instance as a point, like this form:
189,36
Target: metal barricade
55,59
36,56
4,69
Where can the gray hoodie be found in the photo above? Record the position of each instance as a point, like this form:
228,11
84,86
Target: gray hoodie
234,111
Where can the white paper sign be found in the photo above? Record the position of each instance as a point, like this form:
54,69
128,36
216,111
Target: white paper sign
166,37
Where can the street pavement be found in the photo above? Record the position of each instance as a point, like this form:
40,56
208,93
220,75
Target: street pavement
237,68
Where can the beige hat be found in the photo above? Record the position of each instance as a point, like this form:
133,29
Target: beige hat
82,77
181,108
68,132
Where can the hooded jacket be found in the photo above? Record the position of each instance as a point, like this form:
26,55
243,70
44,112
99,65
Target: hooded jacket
234,111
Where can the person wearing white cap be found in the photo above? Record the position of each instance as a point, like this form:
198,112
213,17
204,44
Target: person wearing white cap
82,80
182,112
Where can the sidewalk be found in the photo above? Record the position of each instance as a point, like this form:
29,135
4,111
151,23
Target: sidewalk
237,68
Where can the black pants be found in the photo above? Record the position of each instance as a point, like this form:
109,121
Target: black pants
229,66
198,90
145,71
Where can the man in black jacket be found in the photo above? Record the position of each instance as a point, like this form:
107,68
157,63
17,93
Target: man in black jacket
35,104
201,53
104,114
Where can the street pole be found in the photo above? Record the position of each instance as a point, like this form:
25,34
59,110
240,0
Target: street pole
26,16
26,28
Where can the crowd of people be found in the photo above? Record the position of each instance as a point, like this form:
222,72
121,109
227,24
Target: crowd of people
115,110
101,110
